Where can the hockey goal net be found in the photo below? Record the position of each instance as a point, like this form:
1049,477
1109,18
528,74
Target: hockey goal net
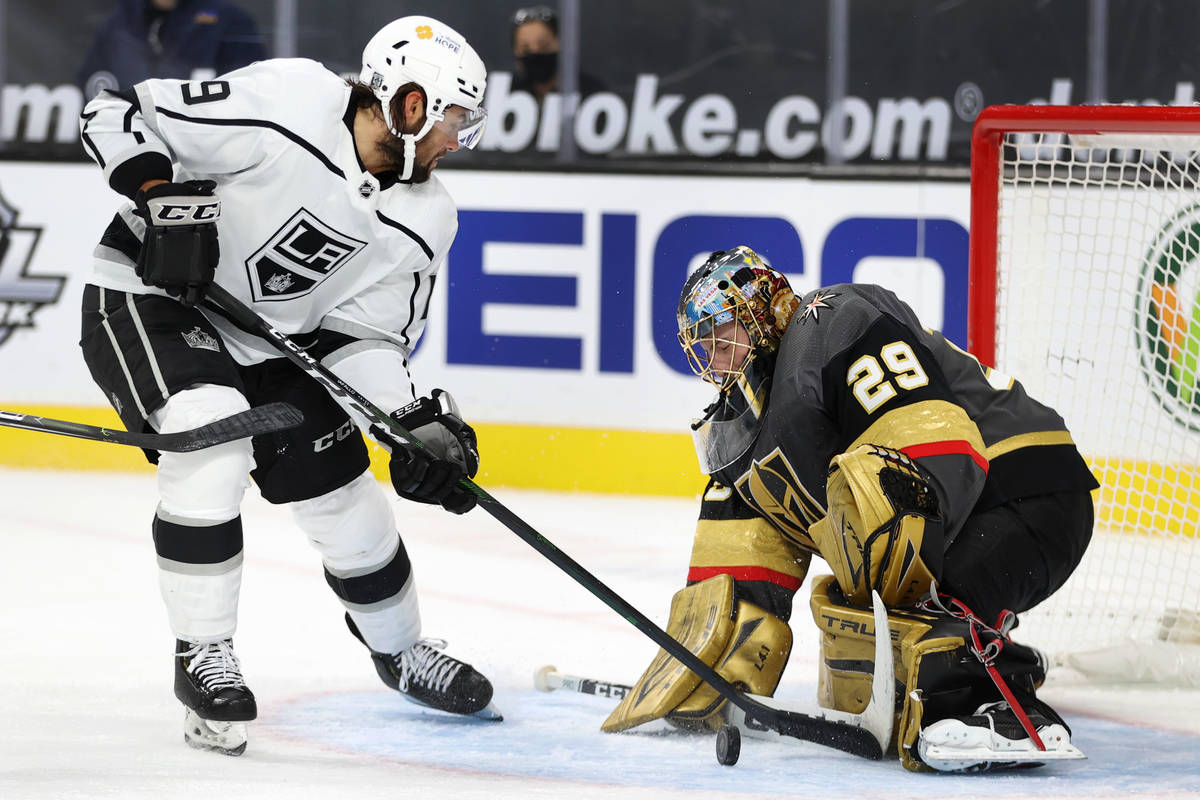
1085,286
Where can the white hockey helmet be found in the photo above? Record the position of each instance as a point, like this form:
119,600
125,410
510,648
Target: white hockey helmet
437,58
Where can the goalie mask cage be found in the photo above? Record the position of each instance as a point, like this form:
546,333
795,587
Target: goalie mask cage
1085,287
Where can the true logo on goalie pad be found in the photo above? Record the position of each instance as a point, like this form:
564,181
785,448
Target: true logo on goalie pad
299,256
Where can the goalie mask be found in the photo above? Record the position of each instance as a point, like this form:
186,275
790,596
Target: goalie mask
434,56
732,313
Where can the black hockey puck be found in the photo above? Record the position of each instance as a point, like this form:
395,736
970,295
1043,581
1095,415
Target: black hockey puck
729,745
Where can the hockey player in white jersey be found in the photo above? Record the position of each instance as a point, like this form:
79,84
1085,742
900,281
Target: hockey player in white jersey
312,200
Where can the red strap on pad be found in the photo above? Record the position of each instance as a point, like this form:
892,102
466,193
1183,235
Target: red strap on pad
987,655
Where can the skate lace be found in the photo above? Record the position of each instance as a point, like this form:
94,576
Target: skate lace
215,665
425,665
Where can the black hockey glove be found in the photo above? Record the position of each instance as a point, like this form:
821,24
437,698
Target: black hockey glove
180,251
430,474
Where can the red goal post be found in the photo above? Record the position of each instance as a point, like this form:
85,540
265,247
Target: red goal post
991,126
1085,286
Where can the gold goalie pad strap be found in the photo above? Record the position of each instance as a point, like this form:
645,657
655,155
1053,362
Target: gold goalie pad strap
867,541
702,621
848,653
753,661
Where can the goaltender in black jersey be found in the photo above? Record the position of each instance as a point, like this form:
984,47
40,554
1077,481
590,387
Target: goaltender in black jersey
312,200
844,429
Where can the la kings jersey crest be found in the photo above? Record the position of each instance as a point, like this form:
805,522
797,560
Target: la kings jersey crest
301,254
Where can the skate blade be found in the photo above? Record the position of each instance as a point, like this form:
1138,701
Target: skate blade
228,738
488,713
983,759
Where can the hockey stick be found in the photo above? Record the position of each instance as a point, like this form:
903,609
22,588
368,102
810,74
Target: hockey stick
833,733
547,679
877,717
267,418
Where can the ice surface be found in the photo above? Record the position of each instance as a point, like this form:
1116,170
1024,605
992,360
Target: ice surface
88,711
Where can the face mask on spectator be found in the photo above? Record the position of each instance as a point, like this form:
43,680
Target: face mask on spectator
539,67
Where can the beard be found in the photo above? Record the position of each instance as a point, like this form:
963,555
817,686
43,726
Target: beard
392,149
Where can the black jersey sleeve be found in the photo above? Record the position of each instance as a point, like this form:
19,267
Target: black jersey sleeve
732,538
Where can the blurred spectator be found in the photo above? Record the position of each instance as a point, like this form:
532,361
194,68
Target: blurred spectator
535,48
193,39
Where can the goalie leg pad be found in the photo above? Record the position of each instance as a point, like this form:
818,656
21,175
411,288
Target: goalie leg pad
940,675
753,661
701,619
883,530
746,645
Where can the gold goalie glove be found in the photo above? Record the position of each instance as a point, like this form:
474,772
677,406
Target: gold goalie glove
744,644
883,530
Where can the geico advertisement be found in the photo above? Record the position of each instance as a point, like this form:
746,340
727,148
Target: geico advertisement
557,302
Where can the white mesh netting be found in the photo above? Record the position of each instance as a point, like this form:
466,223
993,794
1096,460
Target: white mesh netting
1098,314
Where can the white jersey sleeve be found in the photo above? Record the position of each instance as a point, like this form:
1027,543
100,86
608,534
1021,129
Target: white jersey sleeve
377,371
207,128
384,323
117,138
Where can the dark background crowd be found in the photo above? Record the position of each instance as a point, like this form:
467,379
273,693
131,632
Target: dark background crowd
959,55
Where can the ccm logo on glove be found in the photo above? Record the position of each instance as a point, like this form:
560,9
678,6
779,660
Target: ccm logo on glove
180,252
169,211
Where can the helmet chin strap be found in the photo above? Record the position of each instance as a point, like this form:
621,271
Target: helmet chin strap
410,147
410,154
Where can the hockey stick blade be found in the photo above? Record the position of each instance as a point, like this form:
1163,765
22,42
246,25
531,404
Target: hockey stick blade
875,721
387,430
547,679
259,420
868,732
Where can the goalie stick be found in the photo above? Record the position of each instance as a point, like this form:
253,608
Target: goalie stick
835,733
877,717
267,418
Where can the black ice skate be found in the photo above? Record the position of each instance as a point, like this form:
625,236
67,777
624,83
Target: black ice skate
993,738
209,683
428,677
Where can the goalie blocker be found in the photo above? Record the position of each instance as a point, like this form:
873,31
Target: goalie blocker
883,531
